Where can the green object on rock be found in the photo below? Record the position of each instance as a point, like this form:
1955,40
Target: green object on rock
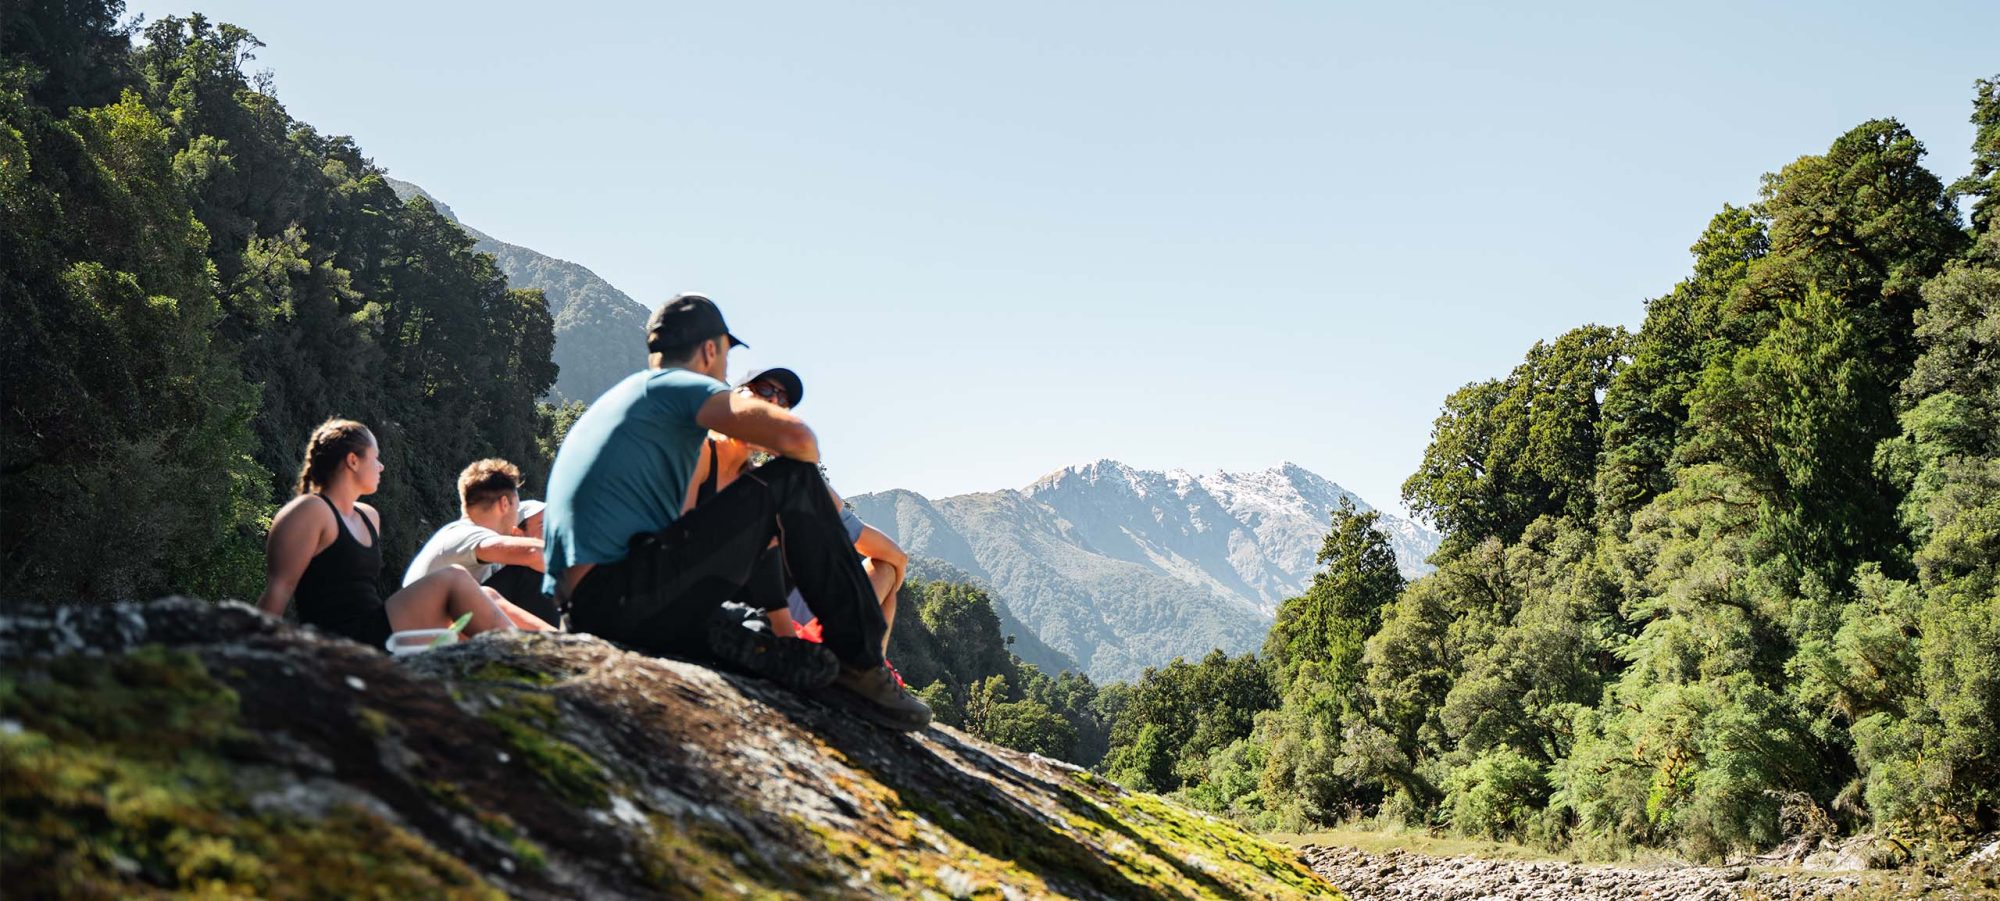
452,631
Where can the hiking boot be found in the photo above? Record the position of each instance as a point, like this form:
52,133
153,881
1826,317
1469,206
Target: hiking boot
883,700
797,665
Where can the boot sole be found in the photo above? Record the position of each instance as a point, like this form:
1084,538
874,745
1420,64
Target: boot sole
798,665
840,696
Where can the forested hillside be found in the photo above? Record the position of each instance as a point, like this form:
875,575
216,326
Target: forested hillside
599,330
191,281
1729,580
949,647
1021,640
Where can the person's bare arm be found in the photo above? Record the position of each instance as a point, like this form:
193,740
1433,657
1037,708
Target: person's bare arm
875,545
296,535
512,550
700,475
756,421
732,459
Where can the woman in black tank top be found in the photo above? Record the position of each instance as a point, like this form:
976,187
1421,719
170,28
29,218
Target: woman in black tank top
315,554
340,590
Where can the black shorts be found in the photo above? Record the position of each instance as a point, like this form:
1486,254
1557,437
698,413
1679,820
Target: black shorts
523,586
371,628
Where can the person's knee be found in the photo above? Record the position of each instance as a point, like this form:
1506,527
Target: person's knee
797,486
786,469
451,580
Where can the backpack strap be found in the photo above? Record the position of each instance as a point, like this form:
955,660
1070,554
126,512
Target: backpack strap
707,489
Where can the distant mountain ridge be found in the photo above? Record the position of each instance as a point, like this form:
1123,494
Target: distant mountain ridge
600,330
1123,569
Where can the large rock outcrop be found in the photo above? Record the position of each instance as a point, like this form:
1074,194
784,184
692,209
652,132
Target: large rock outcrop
180,746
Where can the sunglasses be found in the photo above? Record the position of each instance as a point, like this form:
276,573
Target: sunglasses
770,392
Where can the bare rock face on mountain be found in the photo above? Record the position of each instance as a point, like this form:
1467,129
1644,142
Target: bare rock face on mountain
1122,569
185,747
1250,535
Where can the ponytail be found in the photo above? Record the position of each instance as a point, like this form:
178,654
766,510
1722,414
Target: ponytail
328,448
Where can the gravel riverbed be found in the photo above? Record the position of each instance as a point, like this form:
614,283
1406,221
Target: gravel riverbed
1409,876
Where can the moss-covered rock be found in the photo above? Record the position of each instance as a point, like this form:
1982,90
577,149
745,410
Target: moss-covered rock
181,747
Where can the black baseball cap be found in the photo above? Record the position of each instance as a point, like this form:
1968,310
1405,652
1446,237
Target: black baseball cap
795,390
685,319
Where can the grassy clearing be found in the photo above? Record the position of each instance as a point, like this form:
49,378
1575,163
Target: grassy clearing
1377,840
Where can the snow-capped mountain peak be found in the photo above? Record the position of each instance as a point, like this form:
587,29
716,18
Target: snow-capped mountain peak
1125,568
1251,536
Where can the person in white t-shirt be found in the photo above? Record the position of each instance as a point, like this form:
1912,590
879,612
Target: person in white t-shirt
485,537
523,584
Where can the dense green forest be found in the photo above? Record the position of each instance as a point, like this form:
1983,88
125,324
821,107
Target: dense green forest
193,280
1730,579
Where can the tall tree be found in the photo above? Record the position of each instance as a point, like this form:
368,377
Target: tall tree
1645,406
1504,453
1865,223
1982,184
1315,649
1798,416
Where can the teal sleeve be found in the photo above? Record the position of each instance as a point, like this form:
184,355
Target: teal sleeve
679,394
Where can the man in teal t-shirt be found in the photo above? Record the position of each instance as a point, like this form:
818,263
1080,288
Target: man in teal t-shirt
627,566
624,467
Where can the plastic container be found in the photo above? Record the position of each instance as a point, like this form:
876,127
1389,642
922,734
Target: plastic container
417,641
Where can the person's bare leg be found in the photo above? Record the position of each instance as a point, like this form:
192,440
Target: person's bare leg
886,580
436,600
521,619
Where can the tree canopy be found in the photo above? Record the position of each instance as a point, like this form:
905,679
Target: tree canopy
194,280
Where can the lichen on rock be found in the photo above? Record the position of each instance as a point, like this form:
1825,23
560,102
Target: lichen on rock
181,746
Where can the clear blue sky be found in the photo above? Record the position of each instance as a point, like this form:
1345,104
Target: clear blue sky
998,239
